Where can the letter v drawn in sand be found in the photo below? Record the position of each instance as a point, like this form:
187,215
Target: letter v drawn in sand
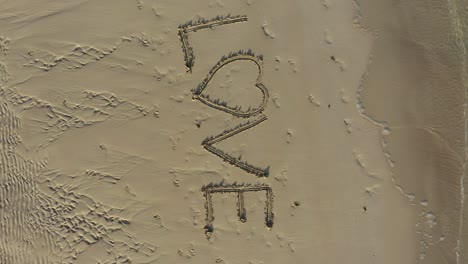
208,145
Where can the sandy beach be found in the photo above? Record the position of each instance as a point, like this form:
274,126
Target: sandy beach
215,131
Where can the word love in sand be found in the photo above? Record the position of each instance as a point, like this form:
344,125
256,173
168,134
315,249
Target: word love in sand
252,112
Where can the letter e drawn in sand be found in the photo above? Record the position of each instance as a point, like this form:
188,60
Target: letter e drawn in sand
240,189
193,26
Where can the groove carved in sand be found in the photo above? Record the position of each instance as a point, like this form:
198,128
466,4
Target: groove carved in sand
208,145
193,26
236,111
223,106
240,189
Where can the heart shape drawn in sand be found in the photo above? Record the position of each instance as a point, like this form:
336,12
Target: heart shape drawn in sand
236,111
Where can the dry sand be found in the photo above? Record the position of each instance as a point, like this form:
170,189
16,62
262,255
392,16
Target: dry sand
221,131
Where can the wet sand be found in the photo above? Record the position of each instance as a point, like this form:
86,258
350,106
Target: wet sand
233,132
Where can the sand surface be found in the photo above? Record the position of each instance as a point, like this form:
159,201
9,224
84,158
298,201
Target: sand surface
216,131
